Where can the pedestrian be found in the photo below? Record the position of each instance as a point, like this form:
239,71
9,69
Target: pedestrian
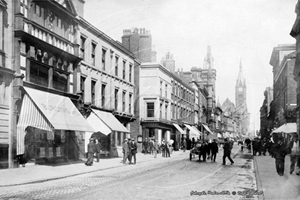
184,144
151,146
167,149
214,150
203,151
227,152
155,148
163,150
145,146
280,152
91,151
133,148
295,154
98,149
129,151
125,150
208,149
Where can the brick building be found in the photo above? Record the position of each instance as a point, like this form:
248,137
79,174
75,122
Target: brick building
283,106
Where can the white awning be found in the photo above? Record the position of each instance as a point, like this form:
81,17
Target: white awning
193,131
97,124
48,111
286,128
207,129
179,129
109,120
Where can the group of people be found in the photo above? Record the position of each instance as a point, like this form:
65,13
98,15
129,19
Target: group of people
209,150
94,147
280,150
153,147
129,148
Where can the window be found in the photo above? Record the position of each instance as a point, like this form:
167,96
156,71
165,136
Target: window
129,106
39,75
93,92
166,90
82,86
103,86
150,109
124,67
160,88
103,59
173,110
160,111
93,53
130,72
166,111
82,47
24,7
116,65
173,88
116,99
123,101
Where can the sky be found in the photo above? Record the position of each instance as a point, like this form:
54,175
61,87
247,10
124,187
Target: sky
243,31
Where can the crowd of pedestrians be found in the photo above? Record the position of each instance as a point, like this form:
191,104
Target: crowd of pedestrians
278,150
93,148
153,147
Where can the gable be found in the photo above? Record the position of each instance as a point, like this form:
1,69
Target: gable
67,4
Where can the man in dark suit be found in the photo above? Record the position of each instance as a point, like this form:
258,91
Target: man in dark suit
129,152
98,149
125,150
227,152
133,147
294,150
214,150
91,151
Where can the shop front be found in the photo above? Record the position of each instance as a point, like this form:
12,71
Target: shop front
50,128
109,130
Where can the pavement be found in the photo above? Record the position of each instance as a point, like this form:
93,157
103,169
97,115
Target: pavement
272,185
33,173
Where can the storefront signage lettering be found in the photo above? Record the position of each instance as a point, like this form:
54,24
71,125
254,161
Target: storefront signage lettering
60,109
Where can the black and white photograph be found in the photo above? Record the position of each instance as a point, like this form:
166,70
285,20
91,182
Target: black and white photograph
149,99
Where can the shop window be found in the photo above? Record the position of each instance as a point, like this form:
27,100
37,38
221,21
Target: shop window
119,134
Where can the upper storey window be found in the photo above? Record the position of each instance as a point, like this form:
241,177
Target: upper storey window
24,7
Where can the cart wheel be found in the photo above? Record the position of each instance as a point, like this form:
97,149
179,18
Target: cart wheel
191,156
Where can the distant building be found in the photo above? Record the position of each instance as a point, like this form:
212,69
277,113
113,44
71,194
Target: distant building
265,122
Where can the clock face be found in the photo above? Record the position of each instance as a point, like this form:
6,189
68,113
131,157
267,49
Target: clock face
240,89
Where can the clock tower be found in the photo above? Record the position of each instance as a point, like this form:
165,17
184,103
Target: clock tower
240,90
241,104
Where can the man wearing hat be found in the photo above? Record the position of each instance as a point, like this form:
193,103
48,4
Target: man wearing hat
133,148
279,154
91,151
294,149
125,150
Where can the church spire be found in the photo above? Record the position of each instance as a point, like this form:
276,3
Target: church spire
208,60
240,80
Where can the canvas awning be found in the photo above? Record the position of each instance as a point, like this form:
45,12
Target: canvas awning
47,111
206,128
286,128
110,121
97,124
179,128
193,131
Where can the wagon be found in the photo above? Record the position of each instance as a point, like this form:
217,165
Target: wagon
196,150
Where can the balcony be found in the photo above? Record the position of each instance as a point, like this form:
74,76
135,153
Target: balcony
152,119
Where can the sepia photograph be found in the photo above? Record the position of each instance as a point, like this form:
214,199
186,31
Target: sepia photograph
149,99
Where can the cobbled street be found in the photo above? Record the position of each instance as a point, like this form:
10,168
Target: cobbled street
175,178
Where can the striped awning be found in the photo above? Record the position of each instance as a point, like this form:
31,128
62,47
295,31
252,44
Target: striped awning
179,128
30,116
47,111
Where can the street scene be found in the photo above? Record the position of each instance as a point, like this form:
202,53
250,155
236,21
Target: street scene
143,99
